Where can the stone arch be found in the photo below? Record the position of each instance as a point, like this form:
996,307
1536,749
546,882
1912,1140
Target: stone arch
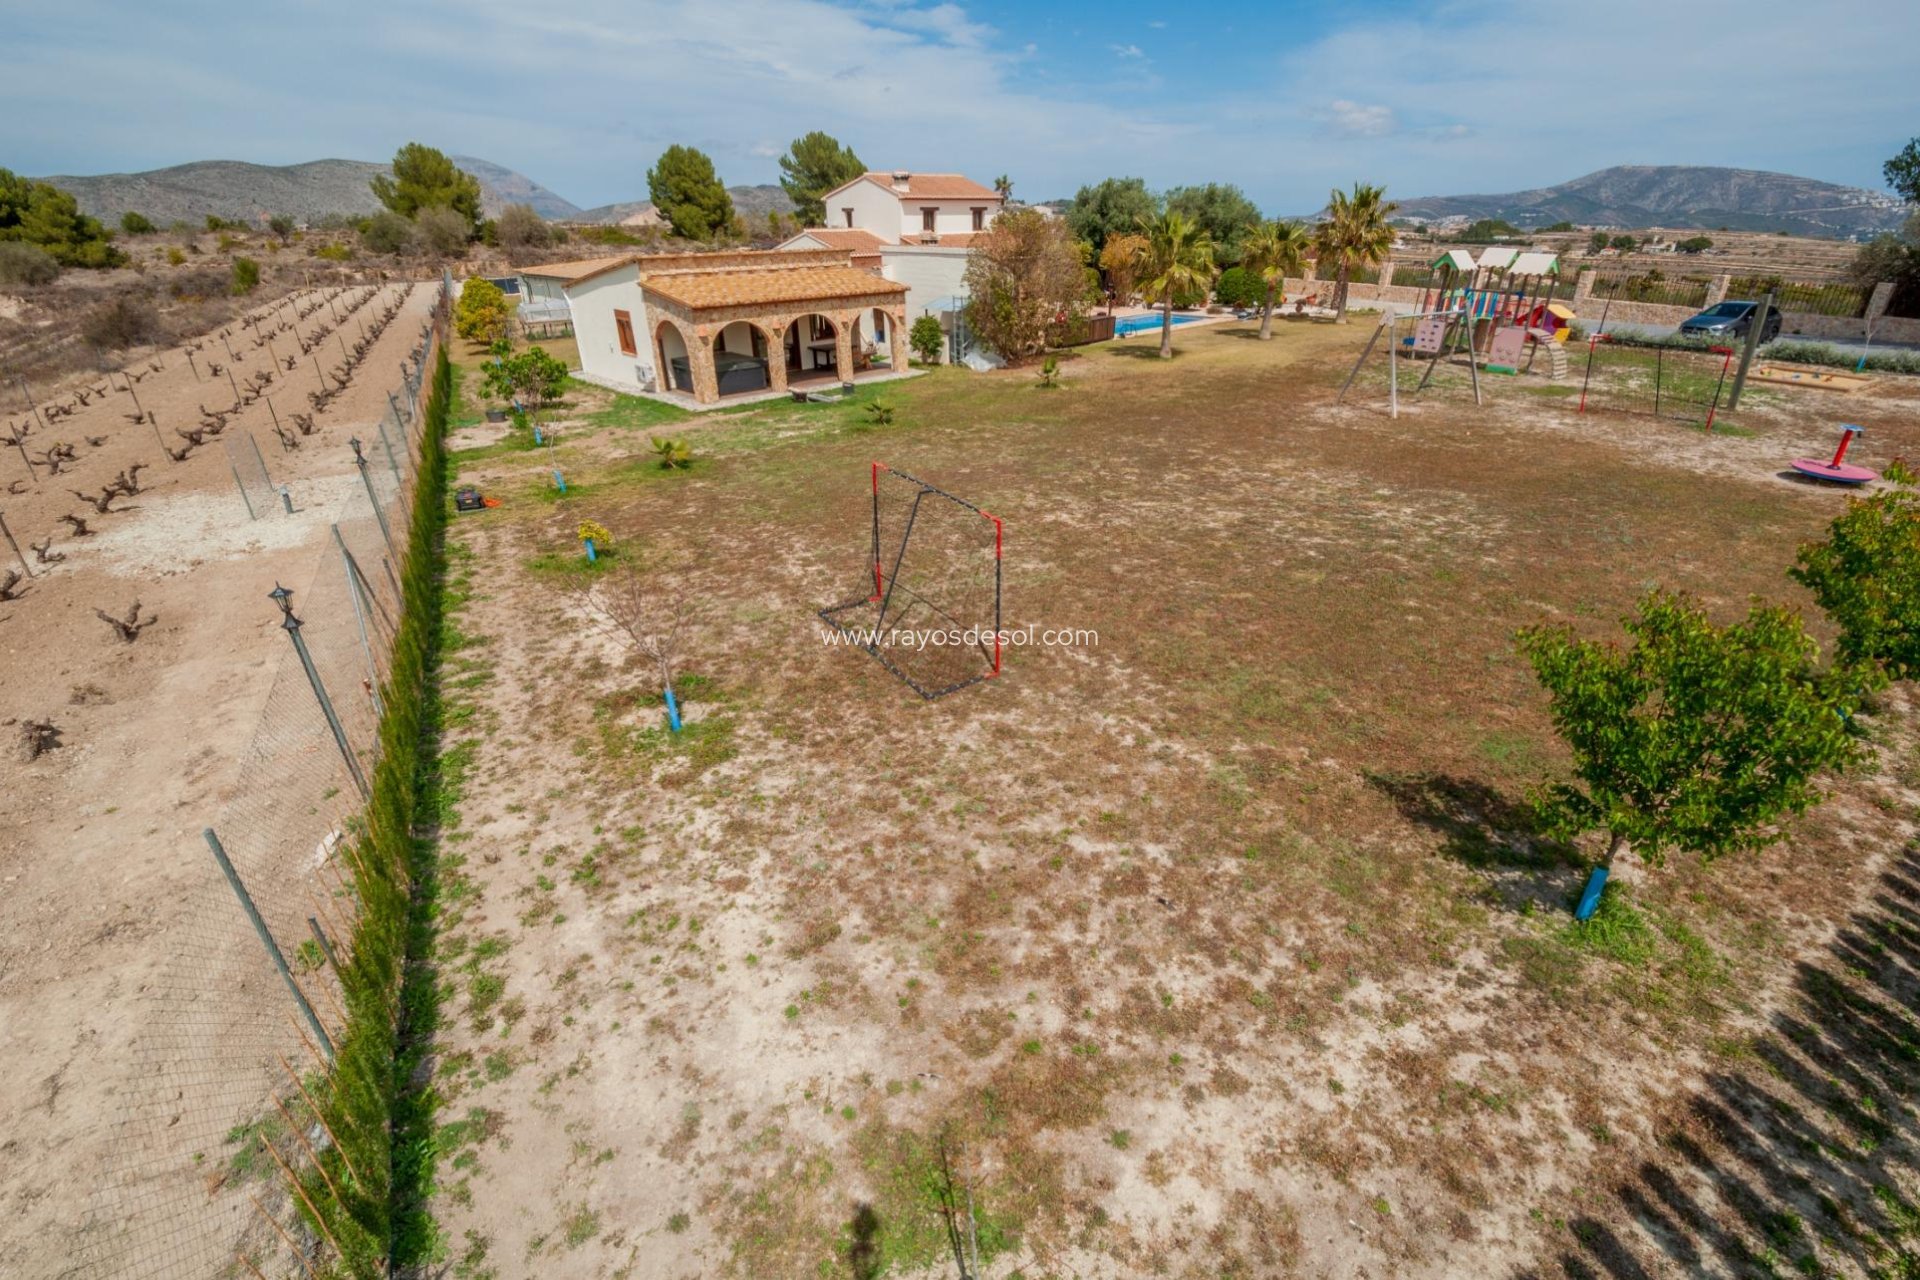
812,342
671,341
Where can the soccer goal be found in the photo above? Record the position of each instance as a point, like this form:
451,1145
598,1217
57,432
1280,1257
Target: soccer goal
929,608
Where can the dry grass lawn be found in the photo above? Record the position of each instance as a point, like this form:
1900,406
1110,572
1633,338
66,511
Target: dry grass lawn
1223,947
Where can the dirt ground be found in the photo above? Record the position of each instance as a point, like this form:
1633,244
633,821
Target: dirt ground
100,846
1222,947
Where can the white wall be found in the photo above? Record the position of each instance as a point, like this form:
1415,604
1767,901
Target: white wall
874,209
594,301
929,274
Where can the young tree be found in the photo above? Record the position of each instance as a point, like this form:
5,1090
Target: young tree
1120,260
689,194
42,215
1114,206
1221,210
533,377
1275,251
926,337
1354,234
1178,260
136,224
1697,737
281,225
443,231
1024,276
482,314
1866,576
246,276
424,178
519,226
815,164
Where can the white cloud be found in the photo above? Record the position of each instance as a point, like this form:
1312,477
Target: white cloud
1126,51
1358,119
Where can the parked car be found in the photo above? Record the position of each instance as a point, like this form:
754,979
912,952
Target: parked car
1731,320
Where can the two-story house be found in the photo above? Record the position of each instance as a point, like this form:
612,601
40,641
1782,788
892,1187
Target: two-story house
913,228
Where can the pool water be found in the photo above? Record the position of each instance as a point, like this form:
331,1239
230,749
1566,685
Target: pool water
1140,324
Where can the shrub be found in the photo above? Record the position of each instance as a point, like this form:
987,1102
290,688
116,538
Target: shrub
332,252
246,276
442,231
674,453
176,255
926,337
1866,576
136,224
281,225
387,232
127,321
25,264
481,314
42,215
1840,358
1239,287
533,377
518,225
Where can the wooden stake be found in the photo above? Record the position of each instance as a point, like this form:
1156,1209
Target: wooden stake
274,1222
332,1137
319,1061
300,1188
312,1155
249,1264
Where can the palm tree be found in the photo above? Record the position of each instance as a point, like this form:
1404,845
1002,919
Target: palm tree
1355,234
1177,259
1273,252
1004,185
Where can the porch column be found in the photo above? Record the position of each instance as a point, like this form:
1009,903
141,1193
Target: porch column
706,383
843,346
897,339
777,357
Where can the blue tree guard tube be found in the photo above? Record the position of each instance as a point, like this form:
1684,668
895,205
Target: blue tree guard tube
559,482
673,710
536,434
592,555
1590,896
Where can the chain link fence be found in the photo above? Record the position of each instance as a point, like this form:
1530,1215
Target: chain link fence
220,1144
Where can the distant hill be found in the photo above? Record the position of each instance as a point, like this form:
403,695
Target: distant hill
751,203
237,190
504,186
1681,196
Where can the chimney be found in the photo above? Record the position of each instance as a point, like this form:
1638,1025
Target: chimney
901,179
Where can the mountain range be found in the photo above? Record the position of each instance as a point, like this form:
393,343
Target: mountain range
1625,196
241,191
1634,195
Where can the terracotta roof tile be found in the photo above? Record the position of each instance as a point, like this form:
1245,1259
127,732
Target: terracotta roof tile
856,238
574,270
929,186
945,240
700,290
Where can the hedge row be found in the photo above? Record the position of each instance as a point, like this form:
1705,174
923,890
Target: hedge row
363,1192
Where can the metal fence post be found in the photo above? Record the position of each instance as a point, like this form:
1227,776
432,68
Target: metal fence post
360,621
266,939
360,461
242,486
1746,352
284,598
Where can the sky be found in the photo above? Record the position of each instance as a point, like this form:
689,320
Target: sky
1284,99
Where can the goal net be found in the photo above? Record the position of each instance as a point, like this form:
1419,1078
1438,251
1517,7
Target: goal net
929,608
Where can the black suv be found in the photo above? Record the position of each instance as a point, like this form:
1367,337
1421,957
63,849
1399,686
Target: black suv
1731,320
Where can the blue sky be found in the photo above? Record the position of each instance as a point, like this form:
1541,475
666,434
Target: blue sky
1285,99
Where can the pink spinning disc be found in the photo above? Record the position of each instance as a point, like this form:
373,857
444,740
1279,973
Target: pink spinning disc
1837,473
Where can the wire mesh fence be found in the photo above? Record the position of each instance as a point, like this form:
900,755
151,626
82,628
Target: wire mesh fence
1825,298
218,1139
1662,382
1653,285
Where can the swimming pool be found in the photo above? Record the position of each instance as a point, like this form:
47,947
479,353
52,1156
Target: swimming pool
1139,324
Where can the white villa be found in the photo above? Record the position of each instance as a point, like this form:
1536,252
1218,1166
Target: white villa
913,228
706,326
